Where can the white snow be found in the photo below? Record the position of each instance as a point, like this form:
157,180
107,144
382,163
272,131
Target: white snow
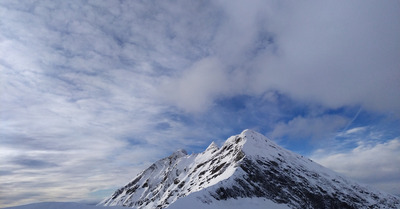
183,203
240,203
62,205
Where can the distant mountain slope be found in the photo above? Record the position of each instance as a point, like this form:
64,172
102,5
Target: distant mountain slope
59,205
247,166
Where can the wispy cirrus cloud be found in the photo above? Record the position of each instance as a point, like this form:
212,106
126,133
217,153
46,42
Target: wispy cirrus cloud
316,128
352,131
79,96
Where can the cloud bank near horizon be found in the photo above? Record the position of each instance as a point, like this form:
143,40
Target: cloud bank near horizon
93,91
357,164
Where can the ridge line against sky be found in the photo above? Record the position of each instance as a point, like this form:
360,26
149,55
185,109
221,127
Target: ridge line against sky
92,92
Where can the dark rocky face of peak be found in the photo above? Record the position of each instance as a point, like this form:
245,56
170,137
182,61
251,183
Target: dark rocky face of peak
267,179
247,165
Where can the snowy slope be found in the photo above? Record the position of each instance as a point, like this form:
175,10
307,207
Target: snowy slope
60,205
248,167
183,203
239,203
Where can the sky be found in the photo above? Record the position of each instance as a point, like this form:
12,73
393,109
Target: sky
92,92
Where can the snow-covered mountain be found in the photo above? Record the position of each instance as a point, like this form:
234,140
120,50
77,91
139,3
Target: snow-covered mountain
248,169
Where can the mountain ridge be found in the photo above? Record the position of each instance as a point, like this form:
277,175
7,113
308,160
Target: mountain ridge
247,165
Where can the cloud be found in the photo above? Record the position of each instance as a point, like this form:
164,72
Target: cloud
357,163
78,94
353,131
204,81
26,162
316,128
316,52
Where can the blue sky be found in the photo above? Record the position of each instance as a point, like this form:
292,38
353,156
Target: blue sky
92,92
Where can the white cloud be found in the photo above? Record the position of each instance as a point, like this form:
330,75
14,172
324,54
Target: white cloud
316,128
356,130
326,56
335,53
198,86
376,165
78,95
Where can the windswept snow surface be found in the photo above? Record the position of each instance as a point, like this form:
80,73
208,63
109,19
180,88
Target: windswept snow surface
190,202
61,205
203,200
240,203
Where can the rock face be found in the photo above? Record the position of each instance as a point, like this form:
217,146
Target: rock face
247,166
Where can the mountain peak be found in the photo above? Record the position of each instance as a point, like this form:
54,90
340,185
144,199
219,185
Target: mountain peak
248,165
253,143
248,132
180,153
176,155
213,146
